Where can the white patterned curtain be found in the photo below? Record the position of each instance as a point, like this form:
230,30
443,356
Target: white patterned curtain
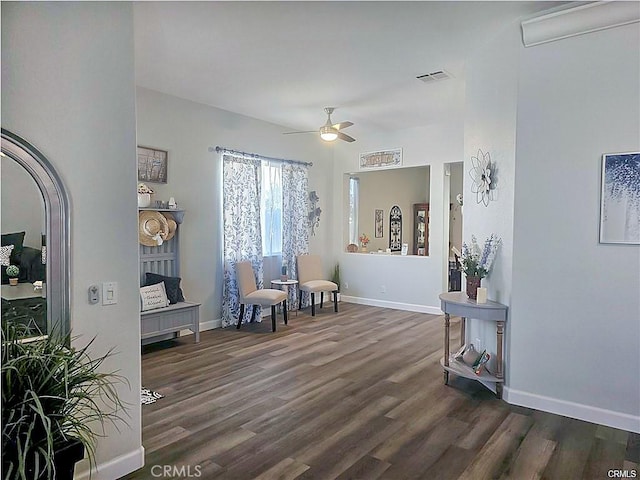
242,231
295,218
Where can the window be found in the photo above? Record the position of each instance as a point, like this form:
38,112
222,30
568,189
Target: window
271,208
354,198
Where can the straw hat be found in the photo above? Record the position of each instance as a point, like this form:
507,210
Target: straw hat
173,225
152,223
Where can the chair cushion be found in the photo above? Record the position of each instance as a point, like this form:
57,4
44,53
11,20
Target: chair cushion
318,286
266,297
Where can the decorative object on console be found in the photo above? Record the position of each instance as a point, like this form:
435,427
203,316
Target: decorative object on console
172,203
144,195
476,263
12,272
481,295
314,212
352,248
153,296
480,362
481,176
152,165
620,199
153,228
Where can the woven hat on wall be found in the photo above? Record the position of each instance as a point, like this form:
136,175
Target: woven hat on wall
152,228
173,225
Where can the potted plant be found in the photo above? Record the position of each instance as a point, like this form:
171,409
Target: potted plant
335,277
53,399
364,241
476,262
13,272
144,195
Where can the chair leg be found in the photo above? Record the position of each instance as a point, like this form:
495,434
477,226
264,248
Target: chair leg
284,311
313,304
240,316
273,318
253,313
299,299
335,301
321,299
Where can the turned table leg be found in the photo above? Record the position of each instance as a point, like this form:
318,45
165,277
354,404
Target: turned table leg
447,322
499,361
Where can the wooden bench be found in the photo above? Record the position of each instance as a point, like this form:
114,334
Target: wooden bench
164,323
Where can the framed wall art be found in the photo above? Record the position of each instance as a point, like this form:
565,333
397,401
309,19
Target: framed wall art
379,223
152,165
382,159
620,198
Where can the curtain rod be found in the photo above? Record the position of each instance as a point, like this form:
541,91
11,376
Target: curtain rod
260,157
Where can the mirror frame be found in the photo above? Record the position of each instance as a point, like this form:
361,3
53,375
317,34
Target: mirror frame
57,228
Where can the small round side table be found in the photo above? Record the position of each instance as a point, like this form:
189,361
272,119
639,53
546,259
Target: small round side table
284,285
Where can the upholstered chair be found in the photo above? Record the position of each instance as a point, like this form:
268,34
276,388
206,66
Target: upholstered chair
311,280
251,295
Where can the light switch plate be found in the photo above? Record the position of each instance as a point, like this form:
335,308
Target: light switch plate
109,293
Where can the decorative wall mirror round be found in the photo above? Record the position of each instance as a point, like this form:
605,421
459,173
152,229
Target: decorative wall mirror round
35,238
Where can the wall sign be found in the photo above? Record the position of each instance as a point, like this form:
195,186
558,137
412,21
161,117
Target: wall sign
381,159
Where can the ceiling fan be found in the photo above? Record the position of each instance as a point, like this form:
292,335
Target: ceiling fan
330,131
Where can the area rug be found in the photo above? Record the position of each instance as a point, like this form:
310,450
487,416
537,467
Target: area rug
148,396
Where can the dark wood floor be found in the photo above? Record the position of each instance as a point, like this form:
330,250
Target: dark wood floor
353,395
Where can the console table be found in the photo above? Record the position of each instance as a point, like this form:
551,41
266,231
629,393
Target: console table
458,304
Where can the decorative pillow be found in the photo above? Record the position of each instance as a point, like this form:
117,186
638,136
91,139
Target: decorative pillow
171,285
15,239
153,296
5,255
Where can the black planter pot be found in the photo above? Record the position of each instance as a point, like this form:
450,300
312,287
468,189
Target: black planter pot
64,459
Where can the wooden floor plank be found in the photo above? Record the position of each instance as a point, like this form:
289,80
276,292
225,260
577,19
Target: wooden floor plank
353,395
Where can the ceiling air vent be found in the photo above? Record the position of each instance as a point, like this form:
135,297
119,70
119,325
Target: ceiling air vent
434,76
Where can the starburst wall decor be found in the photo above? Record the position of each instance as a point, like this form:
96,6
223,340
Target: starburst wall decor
481,176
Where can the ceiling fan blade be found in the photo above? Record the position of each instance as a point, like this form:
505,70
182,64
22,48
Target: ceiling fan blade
305,131
342,125
345,137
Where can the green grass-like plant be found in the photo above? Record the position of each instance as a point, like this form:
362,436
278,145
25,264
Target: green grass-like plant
52,394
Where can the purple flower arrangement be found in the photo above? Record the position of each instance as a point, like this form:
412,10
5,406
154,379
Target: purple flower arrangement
476,261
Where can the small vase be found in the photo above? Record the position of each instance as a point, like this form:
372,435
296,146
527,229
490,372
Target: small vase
13,282
144,200
473,282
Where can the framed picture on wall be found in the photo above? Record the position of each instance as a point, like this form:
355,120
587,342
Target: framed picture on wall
379,223
620,198
152,165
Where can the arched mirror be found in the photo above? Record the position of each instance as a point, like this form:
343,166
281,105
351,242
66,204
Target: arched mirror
35,239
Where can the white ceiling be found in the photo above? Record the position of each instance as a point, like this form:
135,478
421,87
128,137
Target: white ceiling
282,62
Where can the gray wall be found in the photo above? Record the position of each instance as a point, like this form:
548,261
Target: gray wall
68,88
187,130
576,303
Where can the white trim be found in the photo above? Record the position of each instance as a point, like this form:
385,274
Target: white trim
610,418
409,307
204,326
588,18
115,468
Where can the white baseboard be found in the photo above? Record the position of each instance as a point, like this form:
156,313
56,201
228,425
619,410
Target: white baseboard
623,421
210,324
115,468
410,307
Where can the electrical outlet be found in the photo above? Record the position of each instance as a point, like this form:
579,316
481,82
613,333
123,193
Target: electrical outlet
94,294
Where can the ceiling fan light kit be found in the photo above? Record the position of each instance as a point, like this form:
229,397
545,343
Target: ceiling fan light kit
331,131
327,133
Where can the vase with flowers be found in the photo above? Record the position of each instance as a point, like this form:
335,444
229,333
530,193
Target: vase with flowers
364,241
476,262
144,195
